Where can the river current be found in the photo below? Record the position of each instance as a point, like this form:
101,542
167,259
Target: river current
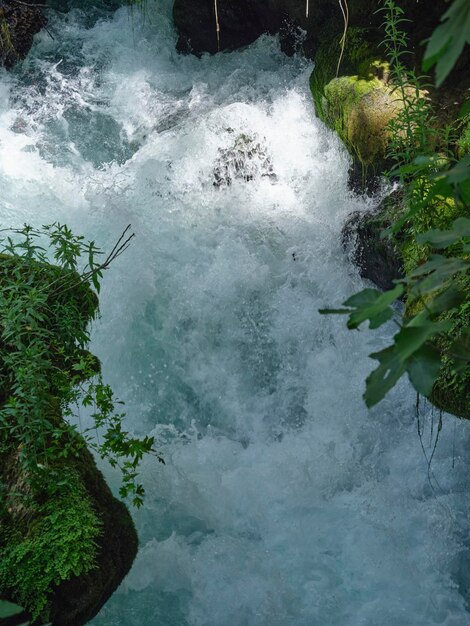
283,500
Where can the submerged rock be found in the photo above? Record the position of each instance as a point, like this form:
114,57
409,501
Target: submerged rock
19,22
245,160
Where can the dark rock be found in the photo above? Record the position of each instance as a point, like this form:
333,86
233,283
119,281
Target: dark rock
378,258
78,600
245,160
240,21
18,24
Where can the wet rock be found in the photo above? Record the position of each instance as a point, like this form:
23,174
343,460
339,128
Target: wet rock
19,22
379,259
240,22
245,160
78,600
360,111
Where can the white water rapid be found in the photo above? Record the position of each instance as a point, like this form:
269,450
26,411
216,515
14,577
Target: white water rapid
283,501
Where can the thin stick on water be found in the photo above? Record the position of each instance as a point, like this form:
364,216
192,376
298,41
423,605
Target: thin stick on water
306,10
217,24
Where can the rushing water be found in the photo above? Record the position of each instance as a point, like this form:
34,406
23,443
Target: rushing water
283,501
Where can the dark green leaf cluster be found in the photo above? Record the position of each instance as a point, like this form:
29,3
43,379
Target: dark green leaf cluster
433,340
415,349
48,524
46,370
448,40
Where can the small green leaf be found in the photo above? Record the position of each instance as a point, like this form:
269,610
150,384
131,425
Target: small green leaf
448,40
8,609
444,238
384,377
423,368
372,305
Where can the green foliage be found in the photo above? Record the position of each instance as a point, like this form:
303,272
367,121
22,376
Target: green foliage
46,371
411,130
432,344
416,348
8,609
48,526
57,543
448,40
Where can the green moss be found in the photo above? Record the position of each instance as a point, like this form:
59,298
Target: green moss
57,542
358,104
359,110
357,59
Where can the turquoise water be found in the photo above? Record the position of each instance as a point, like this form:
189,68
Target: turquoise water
283,501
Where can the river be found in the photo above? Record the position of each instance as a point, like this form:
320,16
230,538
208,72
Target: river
283,500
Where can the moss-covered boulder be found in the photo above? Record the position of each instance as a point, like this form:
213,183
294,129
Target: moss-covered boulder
359,103
65,542
63,559
359,110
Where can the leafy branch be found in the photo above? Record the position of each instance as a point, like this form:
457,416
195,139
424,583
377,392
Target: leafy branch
46,370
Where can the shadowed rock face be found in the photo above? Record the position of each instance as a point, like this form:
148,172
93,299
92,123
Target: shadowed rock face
18,25
77,601
379,259
242,21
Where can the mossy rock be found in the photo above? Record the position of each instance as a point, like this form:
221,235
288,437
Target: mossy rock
360,110
359,103
63,561
357,58
65,543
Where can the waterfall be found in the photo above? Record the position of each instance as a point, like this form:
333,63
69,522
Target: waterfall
283,500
